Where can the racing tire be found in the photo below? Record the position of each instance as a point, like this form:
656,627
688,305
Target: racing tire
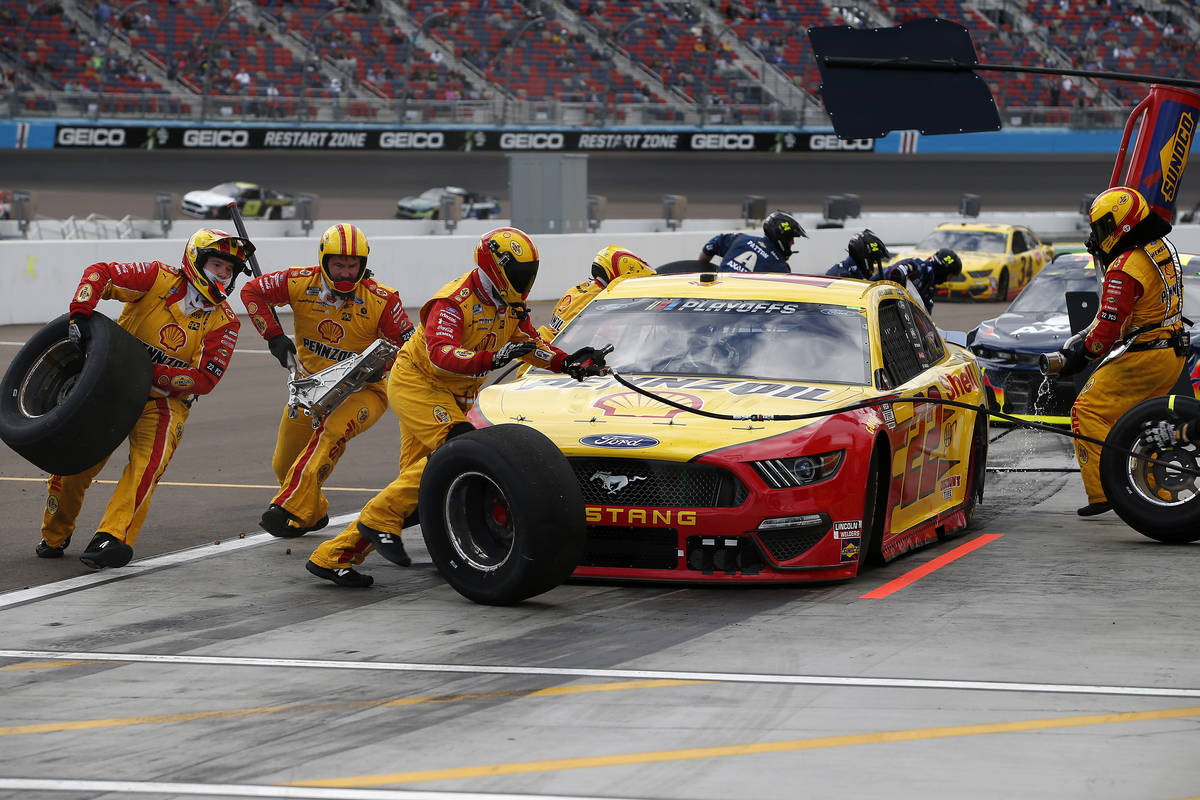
874,519
687,265
976,477
64,411
1156,501
275,213
502,514
1002,286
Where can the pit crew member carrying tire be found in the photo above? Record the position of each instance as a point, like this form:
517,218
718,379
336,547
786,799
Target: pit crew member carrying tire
925,274
867,252
1138,327
741,252
474,324
182,317
611,265
339,310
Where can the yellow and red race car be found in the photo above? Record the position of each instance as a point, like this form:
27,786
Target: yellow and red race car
996,258
670,495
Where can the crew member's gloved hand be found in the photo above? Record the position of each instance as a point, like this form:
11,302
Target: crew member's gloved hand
586,362
79,331
1162,434
510,351
284,350
1075,359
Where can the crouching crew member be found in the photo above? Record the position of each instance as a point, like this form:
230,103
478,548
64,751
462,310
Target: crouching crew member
611,265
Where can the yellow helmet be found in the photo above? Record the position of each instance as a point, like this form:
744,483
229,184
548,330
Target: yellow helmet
1114,213
615,261
209,242
343,240
509,260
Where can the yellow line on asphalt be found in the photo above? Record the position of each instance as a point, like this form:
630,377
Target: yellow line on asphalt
789,745
123,722
47,665
271,486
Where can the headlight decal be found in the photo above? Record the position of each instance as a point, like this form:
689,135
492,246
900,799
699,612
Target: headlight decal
792,473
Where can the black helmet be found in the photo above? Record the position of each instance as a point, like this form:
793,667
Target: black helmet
948,263
868,251
782,229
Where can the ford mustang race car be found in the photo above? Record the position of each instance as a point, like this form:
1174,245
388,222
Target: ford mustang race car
671,495
996,258
1037,322
428,204
252,200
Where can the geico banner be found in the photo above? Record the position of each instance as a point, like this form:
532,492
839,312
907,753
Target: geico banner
562,141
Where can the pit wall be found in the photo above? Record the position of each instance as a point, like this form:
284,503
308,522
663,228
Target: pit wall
41,275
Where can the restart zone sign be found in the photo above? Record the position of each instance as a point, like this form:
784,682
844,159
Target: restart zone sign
566,141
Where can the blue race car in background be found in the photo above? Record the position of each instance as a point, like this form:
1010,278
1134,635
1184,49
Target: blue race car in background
1007,347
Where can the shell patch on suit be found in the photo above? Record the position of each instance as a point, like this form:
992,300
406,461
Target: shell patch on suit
95,276
252,307
331,331
172,337
441,415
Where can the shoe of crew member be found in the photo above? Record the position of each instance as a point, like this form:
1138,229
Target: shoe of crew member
44,550
345,576
1092,509
278,522
387,545
106,550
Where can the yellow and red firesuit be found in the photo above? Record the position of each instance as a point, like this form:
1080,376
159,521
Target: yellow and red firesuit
190,342
611,265
431,387
328,329
1141,306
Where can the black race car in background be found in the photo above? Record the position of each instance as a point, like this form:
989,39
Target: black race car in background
1037,322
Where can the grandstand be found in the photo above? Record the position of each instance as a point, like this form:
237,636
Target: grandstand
544,62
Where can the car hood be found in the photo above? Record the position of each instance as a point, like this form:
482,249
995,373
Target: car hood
600,416
1029,332
208,198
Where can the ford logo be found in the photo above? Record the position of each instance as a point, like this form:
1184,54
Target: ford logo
618,440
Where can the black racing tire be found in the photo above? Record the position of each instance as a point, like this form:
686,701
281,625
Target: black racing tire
687,265
1156,501
1002,286
976,477
874,519
275,212
65,412
502,514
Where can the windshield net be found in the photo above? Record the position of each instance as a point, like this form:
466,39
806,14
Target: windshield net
742,338
965,241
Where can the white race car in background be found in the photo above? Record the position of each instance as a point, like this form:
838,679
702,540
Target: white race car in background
252,200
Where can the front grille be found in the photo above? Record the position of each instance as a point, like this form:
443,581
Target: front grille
663,484
784,545
631,548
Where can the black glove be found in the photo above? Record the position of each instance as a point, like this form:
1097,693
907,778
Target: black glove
1075,359
510,351
79,331
586,362
282,347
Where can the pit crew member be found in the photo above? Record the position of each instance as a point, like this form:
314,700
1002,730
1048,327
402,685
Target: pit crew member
1139,325
339,311
182,317
741,252
925,274
474,324
866,254
611,265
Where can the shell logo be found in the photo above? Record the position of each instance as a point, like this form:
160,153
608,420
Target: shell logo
172,337
632,404
331,331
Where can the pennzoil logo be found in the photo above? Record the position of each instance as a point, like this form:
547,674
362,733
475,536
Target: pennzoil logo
331,331
632,404
171,337
84,294
1174,155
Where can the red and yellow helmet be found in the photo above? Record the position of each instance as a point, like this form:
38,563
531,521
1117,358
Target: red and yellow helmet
212,242
343,240
1114,213
508,259
614,262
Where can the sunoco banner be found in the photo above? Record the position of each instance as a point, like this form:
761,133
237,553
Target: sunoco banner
567,141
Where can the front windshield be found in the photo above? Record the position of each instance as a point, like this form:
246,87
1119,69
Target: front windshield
1046,293
965,241
727,338
230,189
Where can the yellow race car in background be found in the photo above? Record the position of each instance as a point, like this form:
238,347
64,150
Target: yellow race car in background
996,258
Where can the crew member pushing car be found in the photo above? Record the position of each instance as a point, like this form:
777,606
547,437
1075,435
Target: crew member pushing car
925,274
866,254
1139,325
474,324
741,252
182,317
611,265
339,311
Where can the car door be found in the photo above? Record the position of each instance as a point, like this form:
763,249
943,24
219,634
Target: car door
1022,259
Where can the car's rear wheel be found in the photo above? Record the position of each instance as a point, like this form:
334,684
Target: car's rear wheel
1154,499
1002,285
